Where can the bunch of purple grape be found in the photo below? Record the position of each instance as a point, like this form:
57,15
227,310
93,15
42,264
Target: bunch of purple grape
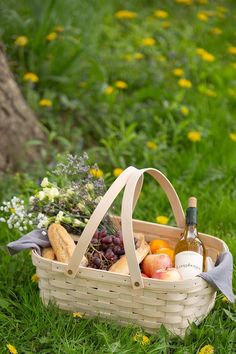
105,249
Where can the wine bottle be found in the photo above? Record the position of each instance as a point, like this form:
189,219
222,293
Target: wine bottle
190,253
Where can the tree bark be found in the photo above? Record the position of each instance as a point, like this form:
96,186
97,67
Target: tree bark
18,123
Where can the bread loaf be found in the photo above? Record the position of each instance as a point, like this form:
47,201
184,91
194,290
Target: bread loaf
62,243
48,252
143,248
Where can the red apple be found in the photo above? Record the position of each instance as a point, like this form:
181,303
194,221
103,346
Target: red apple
153,262
170,274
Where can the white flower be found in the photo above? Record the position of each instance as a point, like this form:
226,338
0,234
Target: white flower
2,220
69,191
59,217
51,193
81,206
31,200
89,186
98,199
45,183
41,195
76,222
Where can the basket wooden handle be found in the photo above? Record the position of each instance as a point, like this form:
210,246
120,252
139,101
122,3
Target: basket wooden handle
130,197
95,219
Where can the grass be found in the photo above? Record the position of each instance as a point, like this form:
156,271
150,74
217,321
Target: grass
115,127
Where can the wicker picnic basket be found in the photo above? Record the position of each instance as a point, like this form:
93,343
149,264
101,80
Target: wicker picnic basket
145,302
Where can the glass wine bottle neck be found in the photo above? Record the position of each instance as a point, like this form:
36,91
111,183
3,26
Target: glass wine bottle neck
191,216
191,223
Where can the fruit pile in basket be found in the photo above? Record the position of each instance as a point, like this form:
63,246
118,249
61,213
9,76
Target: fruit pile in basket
159,263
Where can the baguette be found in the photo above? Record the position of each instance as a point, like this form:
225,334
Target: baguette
62,243
143,248
48,252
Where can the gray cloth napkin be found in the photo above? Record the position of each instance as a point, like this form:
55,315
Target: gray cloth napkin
33,240
220,276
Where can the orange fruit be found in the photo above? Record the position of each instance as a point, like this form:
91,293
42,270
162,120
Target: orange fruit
166,250
157,244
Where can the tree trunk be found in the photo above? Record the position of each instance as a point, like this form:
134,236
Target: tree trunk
18,123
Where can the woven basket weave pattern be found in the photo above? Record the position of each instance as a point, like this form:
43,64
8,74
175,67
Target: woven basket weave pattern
146,302
109,295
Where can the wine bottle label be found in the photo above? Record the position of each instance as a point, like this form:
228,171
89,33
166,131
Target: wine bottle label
189,264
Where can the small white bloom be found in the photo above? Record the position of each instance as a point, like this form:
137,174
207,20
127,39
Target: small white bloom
89,186
30,222
69,191
2,220
59,217
45,183
81,206
98,199
41,195
31,199
76,222
51,193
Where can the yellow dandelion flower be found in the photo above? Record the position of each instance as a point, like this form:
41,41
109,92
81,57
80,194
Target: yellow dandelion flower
232,136
232,92
162,219
208,57
184,2
222,9
59,29
233,65
141,339
161,58
178,72
194,136
30,77
202,16
129,57
149,41
35,278
184,83
125,15
210,93
232,50
117,171
12,349
207,349
161,14
225,299
165,24
109,90
77,315
200,51
45,102
96,172
52,36
145,340
184,110
216,30
138,56
122,85
151,145
21,41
